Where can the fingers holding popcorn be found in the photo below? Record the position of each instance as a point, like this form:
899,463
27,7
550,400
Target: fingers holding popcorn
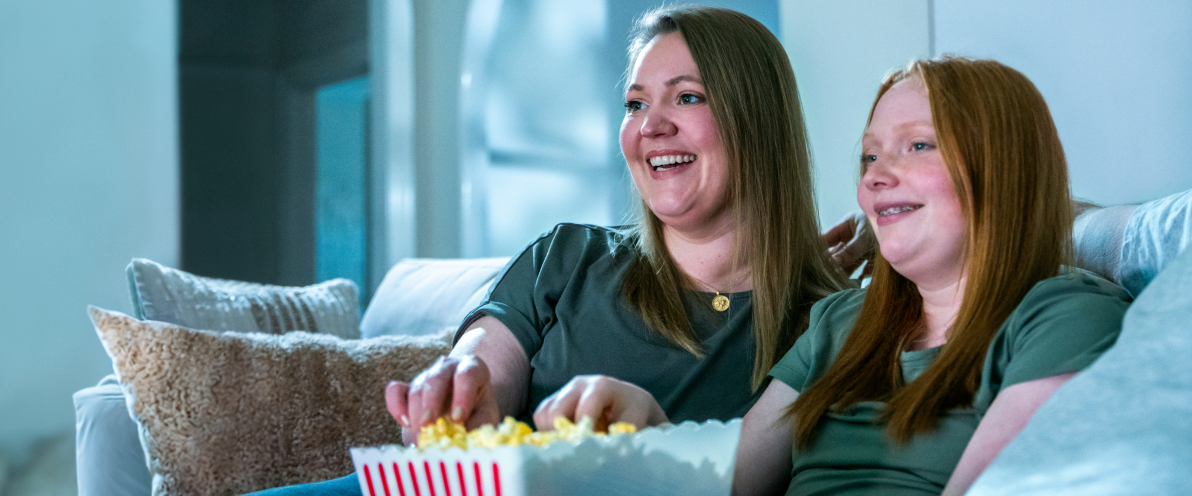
603,399
473,400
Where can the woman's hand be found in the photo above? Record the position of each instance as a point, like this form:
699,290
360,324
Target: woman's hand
851,243
457,385
604,399
485,377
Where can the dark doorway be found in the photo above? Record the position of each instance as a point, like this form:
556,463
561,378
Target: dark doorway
248,75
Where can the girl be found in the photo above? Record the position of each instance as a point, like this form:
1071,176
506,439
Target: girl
914,384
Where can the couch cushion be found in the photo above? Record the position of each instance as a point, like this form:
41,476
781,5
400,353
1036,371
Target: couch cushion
1124,425
170,295
426,296
229,413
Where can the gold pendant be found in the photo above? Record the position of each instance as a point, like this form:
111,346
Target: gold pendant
720,302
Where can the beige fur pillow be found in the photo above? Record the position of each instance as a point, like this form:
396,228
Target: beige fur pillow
230,413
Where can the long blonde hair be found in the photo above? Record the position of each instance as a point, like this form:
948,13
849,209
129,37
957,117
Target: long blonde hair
1003,153
755,103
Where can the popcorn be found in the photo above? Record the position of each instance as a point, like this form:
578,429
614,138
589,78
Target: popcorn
688,458
445,433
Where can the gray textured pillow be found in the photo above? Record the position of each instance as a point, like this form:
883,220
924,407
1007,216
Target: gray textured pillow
170,295
231,413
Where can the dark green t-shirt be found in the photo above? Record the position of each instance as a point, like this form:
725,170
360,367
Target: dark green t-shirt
561,298
1062,325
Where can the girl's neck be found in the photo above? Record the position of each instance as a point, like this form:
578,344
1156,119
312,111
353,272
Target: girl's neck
941,305
707,257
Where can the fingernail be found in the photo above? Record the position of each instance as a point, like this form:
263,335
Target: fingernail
457,413
405,420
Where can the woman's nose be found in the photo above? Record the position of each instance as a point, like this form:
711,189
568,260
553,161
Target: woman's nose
657,124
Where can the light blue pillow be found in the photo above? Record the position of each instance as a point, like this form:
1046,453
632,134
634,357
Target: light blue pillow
170,295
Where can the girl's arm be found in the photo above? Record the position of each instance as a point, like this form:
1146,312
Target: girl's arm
1005,418
763,463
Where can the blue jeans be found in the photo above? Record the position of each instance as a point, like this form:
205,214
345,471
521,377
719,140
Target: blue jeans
343,486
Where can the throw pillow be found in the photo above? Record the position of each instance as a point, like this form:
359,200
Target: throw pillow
165,294
231,413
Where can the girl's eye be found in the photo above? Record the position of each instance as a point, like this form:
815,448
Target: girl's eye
921,145
633,106
868,159
689,99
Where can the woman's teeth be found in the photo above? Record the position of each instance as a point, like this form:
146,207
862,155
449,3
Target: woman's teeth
660,163
897,210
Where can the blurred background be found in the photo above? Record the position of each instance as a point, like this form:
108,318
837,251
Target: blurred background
289,142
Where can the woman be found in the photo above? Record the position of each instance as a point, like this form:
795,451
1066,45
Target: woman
913,385
724,262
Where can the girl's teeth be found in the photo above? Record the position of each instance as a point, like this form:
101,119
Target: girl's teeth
896,210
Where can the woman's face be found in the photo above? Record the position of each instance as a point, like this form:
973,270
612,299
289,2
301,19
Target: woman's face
906,190
670,142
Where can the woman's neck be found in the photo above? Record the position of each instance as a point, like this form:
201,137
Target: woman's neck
707,256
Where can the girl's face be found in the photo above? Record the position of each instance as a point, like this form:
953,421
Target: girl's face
670,141
906,190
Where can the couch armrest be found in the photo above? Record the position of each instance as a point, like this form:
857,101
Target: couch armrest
108,454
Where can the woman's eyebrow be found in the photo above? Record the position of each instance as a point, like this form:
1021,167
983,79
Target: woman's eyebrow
670,82
678,79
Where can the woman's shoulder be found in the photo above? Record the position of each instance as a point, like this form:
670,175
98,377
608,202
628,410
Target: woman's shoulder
570,238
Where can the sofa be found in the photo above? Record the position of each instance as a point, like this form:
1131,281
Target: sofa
424,297
1122,426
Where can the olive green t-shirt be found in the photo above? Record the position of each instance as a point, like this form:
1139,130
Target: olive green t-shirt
1062,325
561,298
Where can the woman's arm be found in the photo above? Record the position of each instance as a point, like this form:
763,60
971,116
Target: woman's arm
763,463
1005,418
485,377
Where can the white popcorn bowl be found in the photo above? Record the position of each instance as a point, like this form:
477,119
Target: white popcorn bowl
687,458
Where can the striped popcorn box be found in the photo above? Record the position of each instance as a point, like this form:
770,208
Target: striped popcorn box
688,458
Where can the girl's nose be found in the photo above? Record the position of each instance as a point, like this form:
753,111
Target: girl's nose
877,175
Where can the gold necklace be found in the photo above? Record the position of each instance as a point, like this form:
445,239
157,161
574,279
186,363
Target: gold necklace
720,302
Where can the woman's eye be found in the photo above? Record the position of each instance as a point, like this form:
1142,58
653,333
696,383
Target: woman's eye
632,106
921,145
689,98
868,159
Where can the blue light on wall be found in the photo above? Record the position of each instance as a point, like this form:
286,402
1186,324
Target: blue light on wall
341,204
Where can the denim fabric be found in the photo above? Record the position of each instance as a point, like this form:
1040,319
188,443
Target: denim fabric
343,486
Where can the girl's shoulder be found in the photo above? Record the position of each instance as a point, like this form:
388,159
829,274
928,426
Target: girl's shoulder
835,315
1075,286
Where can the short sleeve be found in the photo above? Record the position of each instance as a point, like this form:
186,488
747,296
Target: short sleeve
1156,233
520,296
829,323
1062,325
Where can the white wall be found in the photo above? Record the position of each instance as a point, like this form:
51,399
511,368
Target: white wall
1116,76
88,180
840,50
